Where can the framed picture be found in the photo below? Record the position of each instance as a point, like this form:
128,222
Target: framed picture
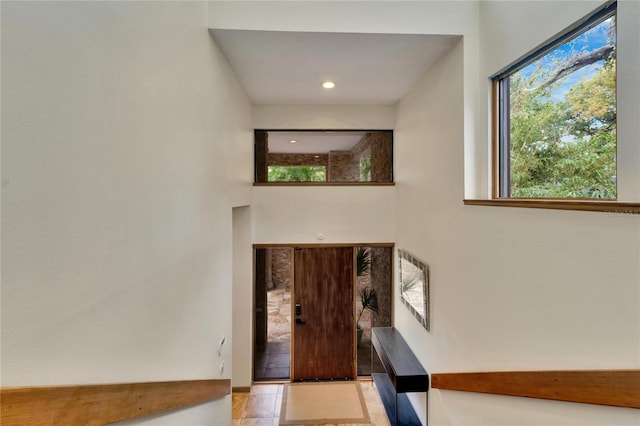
414,286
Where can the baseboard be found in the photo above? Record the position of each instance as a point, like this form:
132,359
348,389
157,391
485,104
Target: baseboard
241,389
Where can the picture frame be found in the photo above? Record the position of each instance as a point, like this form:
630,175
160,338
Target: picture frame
414,286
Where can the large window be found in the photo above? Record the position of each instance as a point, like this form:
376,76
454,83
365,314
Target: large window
317,157
556,117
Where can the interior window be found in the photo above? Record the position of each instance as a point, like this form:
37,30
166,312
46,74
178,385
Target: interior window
312,157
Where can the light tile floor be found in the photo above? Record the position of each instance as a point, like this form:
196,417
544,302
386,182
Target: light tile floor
261,406
279,315
274,363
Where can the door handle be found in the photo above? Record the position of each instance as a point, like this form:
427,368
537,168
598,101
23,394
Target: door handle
299,321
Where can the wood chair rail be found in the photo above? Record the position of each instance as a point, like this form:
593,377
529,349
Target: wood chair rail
102,404
619,388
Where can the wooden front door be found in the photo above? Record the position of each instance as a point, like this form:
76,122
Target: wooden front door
324,330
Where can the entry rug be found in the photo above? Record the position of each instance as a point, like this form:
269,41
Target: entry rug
322,403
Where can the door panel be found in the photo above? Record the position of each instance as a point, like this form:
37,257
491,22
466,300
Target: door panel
324,331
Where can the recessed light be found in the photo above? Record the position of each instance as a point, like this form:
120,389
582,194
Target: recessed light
293,141
328,85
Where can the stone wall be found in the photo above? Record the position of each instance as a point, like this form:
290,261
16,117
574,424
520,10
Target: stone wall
381,156
381,281
342,167
281,268
380,146
363,144
261,150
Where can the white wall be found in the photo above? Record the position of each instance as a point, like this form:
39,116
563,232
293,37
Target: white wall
399,17
328,214
289,214
242,297
511,289
339,214
365,117
512,29
299,214
348,214
312,205
391,17
125,141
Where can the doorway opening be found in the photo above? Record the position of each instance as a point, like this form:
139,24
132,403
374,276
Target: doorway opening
281,275
272,349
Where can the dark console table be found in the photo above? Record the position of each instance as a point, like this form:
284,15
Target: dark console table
403,373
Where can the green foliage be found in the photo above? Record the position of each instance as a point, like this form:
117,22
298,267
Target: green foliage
365,169
363,261
369,299
296,174
564,146
368,296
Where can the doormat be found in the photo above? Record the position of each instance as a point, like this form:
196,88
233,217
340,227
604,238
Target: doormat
322,403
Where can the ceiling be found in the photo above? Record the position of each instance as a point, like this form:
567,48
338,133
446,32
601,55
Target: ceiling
312,142
288,68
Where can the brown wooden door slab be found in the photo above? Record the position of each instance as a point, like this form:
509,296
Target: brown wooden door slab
324,332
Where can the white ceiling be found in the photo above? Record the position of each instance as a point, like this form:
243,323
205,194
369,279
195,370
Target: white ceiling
312,142
289,67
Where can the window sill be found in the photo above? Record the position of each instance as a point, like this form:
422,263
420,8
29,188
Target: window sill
584,205
323,184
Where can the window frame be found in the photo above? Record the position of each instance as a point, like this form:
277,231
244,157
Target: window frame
257,160
500,117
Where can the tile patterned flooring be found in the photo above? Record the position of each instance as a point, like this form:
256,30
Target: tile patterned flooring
262,405
274,363
279,315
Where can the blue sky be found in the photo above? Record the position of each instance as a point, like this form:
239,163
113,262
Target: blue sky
588,41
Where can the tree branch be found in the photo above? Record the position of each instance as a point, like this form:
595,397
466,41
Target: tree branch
575,63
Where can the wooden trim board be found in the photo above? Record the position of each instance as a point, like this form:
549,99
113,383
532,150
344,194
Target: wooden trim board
618,207
103,403
320,245
275,184
619,388
495,140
